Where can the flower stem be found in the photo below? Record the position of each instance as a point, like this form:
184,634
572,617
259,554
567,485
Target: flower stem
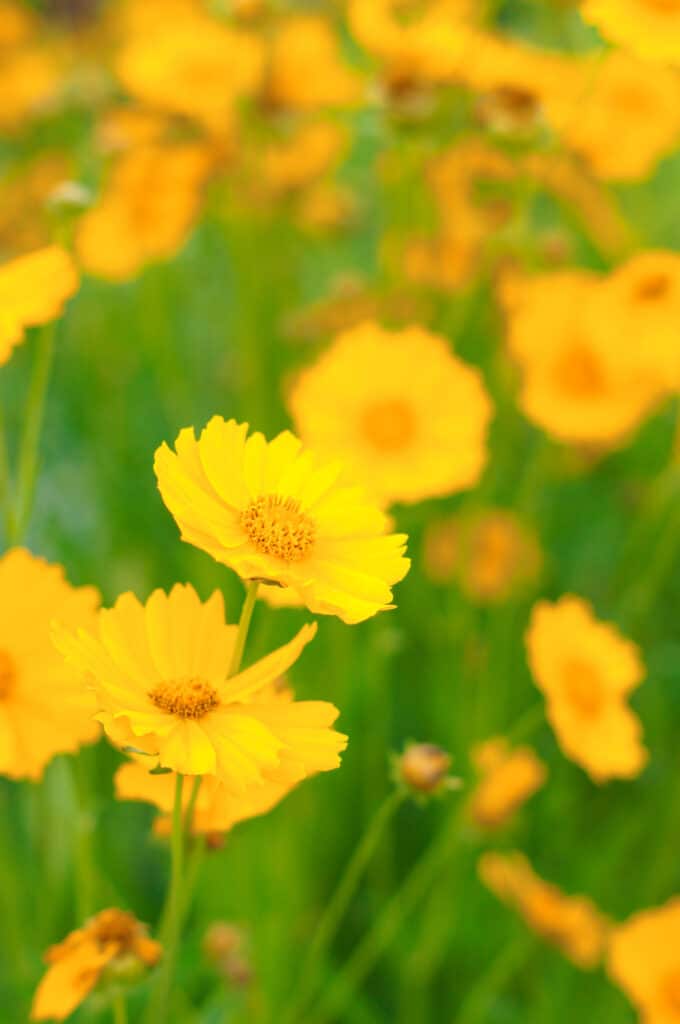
340,900
119,1009
243,627
30,444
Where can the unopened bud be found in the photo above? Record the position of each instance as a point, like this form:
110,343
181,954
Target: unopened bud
70,196
222,940
424,767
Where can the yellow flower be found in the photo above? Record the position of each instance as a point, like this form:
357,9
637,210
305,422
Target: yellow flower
160,675
571,923
43,708
26,188
644,959
29,80
650,28
586,670
632,101
311,150
507,779
408,417
110,945
146,212
273,511
577,383
33,290
305,70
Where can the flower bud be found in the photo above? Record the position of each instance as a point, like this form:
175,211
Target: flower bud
424,767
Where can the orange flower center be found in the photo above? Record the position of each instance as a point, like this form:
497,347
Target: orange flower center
114,926
579,373
670,992
583,688
652,287
389,425
185,698
278,527
7,674
664,6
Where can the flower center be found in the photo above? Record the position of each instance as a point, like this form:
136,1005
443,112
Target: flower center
7,674
388,425
583,688
652,287
579,374
185,698
278,527
664,6
114,926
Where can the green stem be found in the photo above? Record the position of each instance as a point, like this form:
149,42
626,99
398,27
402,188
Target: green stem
404,900
243,627
30,444
335,911
5,480
85,874
119,1009
480,998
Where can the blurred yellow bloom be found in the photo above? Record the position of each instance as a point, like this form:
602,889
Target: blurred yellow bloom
577,383
111,945
586,669
406,414
650,28
146,212
193,65
491,554
29,81
44,709
160,675
507,779
273,511
24,194
311,150
305,69
17,23
571,923
33,290
644,959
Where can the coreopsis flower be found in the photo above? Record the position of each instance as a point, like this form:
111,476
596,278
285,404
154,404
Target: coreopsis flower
159,672
571,923
33,290
44,709
30,77
491,554
406,414
577,383
273,511
112,946
586,669
649,28
644,959
631,100
24,193
507,779
147,211
308,152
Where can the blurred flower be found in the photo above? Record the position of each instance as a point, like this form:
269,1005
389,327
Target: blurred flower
33,290
30,78
148,208
406,414
272,511
650,28
44,709
159,674
311,150
226,947
577,383
491,554
507,779
424,767
571,923
113,946
644,959
586,669
25,189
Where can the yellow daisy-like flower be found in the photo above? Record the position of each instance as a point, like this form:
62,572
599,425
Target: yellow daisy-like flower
33,290
507,778
406,414
586,669
44,709
644,959
273,511
112,941
650,28
160,675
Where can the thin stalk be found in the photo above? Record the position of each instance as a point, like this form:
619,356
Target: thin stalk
30,444
340,900
119,1008
5,480
480,998
85,873
243,627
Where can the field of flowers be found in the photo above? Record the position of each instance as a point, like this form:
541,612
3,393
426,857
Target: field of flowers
340,511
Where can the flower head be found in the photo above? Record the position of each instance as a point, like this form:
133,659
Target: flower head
507,779
650,28
424,768
113,943
44,709
408,417
33,290
273,511
160,676
586,670
644,959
